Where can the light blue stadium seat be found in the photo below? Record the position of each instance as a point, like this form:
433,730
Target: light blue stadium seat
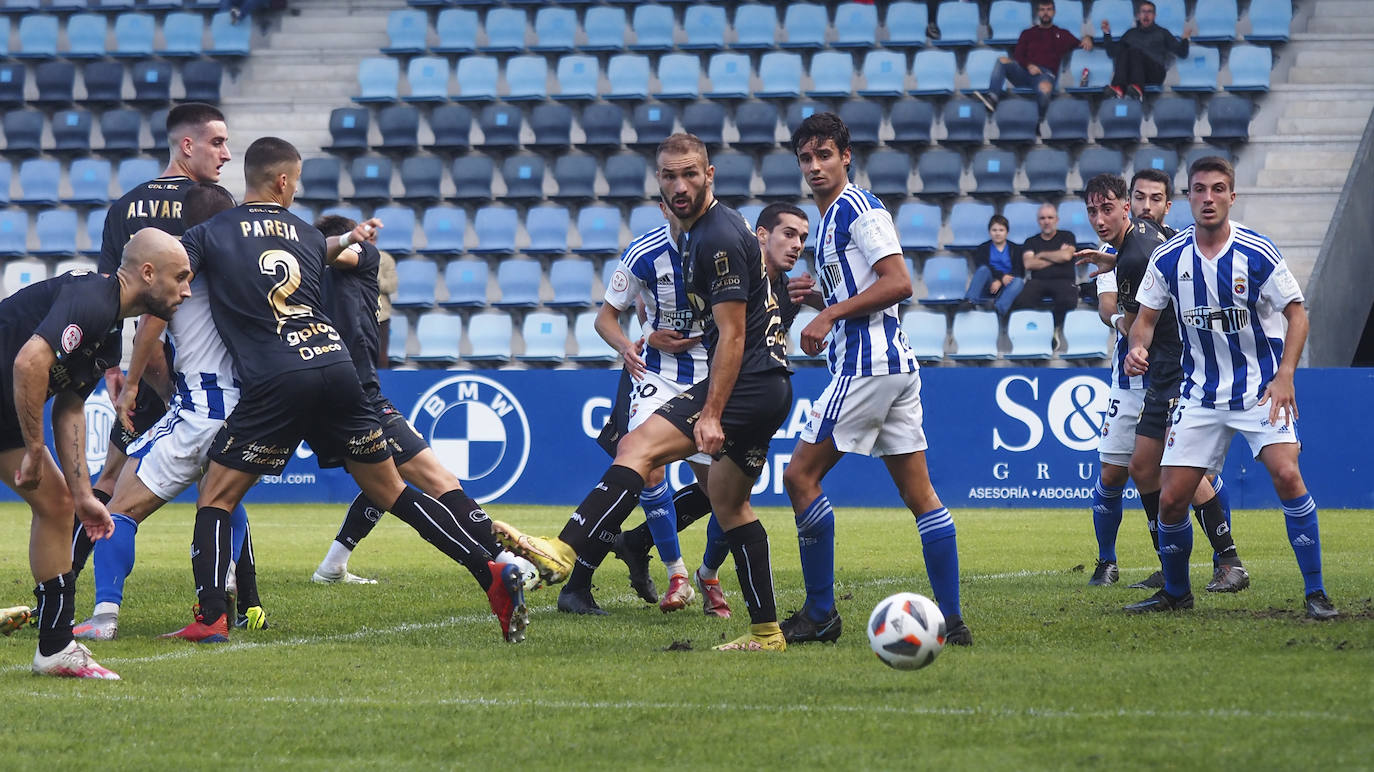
518,281
591,347
38,178
678,75
906,25
946,279
495,228
505,28
415,280
476,77
756,26
1270,20
398,340
856,25
1171,15
968,224
628,75
546,337
1099,67
653,26
729,76
599,229
750,213
4,36
489,338
37,37
1069,15
1085,337
398,229
1120,14
14,232
646,217
1006,20
780,75
926,332
406,32
1216,21
526,77
577,78
978,68
438,335
1159,158
377,79
993,172
1021,218
547,227
555,29
1073,218
939,171
918,226
428,79
21,273
705,28
975,336
805,25
571,279
832,74
1199,70
229,39
605,27
466,283
56,231
958,25
1031,334
934,73
347,211
457,31
444,228
90,182
1179,216
1250,67
86,36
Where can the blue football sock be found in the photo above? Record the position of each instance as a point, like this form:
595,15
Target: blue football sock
717,548
114,560
238,527
816,542
662,517
1300,516
1106,518
1175,549
941,551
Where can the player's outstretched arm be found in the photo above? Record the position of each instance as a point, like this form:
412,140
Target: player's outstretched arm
1280,394
1103,261
69,437
335,245
729,317
1141,336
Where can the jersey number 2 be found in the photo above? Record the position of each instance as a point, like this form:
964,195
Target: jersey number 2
275,261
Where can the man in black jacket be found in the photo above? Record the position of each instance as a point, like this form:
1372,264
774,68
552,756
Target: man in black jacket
1141,56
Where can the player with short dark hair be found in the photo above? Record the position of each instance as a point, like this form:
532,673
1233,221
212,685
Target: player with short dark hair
1152,196
1240,315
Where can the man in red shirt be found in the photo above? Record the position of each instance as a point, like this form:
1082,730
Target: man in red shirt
1035,60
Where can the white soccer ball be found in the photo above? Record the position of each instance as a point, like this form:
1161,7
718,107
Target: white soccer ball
906,631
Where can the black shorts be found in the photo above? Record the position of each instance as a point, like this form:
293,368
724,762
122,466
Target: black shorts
324,406
148,410
405,443
618,425
1154,416
756,408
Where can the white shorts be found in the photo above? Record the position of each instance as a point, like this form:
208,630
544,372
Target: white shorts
172,453
1200,436
876,415
648,394
1118,426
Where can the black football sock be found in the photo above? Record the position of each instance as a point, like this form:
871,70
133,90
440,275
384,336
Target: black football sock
362,517
474,521
56,604
691,504
638,540
1213,521
438,526
211,549
246,575
1150,503
81,543
605,507
749,545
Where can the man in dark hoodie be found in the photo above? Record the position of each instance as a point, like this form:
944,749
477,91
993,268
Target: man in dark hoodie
1141,56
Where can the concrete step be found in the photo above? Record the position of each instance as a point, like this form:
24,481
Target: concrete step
1334,55
1324,178
1326,108
1285,160
1335,25
1336,75
1333,125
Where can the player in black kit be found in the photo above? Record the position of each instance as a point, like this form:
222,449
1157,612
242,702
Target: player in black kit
264,267
730,415
57,337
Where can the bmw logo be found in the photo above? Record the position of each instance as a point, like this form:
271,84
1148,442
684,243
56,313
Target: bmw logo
479,431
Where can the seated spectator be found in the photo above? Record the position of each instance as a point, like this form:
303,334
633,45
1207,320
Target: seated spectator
1035,61
997,280
1048,259
1141,57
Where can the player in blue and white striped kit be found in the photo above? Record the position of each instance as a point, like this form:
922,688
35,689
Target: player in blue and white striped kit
1241,318
873,403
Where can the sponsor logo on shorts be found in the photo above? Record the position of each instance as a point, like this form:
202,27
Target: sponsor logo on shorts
100,418
478,429
71,338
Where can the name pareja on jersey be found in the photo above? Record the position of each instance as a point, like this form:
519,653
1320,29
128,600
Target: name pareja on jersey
267,228
479,431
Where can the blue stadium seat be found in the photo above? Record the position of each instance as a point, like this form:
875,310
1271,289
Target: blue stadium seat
1073,217
1099,67
90,182
71,132
12,77
781,176
371,179
1006,20
1018,121
348,128
152,81
133,35
457,31
906,25
505,28
1120,120
599,229
734,175
965,121
415,280
228,39
575,175
37,37
1099,160
625,175
1269,21
653,26
653,123
524,177
201,80
104,82
975,336
750,213
489,338
1229,116
1120,14
319,181
780,75
645,218
911,122
1031,334
555,29
552,126
968,225
705,119
993,172
757,123
4,37
545,336
918,226
466,282
38,178
571,279
444,227
705,28
856,25
591,347
438,336
978,68
1215,21
343,210
397,340
547,227
958,25
802,109
864,118
884,74
1174,118
400,129
14,233
934,73
526,78
577,78
1068,121
1085,337
1180,215
472,176
56,231
495,229
476,76
500,126
397,235
1021,216
1250,67
23,131
519,282
183,35
56,81
1171,15
889,172
602,124
805,25
939,171
1199,70
628,75
729,76
678,75
1159,158
946,278
926,332
6,173
1047,171
427,77
377,78
21,273
832,74
605,28
86,36
756,26
452,128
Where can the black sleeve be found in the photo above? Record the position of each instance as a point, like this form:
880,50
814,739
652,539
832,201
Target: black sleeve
982,255
74,319
193,240
112,243
1018,261
369,259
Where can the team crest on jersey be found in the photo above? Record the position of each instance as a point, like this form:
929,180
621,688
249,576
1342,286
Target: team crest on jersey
71,338
1239,286
479,431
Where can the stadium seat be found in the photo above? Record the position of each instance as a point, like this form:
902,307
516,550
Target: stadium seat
946,279
476,77
1031,334
397,235
706,120
4,35
37,37
958,25
86,36
1120,120
56,231
23,132
755,26
415,280
625,175
6,174
1120,14
1099,67
348,127
1085,338
975,336
968,225
750,213
500,126
495,229
319,180
965,121
912,120
421,176
832,74
56,81
918,226
73,265
578,76
1021,216
1018,122
1179,216
978,68
1173,15
21,273
152,81
14,233
864,118
889,172
705,28
1174,118
1069,15
1250,67
801,110
489,338
12,78
599,229
645,218
804,25
71,132
1229,117
201,80
438,336
856,25
451,126
591,347
1073,217
526,78
524,177
555,30
519,282
377,79
679,75
906,25
472,176
729,76
466,282
427,79
90,182
734,174
1215,21
1199,70
602,124
407,30
934,73
1047,172
926,332
605,28
575,176
1150,157
994,172
781,176
228,39
38,179
400,129
371,179
653,27
183,35
1006,20
780,75
398,340
505,28
1269,21
133,35
545,336
343,210
571,279
757,124
104,82
444,228
1099,160
628,75
1067,120
456,29
940,171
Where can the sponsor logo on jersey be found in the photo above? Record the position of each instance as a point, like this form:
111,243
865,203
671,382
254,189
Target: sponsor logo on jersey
100,418
666,279
1224,320
71,338
479,431
1186,276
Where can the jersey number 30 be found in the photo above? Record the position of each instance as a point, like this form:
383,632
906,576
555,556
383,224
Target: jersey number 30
276,262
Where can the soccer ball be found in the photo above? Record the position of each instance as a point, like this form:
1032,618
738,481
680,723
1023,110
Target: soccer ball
907,631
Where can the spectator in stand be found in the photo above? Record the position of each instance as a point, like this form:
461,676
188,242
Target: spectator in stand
1048,258
998,278
1034,63
1141,57
387,282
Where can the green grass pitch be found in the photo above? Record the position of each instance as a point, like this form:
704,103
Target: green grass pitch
411,673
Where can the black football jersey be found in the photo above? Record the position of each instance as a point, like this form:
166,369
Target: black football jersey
156,203
1132,260
351,301
77,314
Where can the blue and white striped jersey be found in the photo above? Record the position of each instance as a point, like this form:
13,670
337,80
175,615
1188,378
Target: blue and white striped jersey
1230,314
650,271
854,233
203,365
1106,282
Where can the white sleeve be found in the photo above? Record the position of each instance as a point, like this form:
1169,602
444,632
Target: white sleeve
1106,282
1154,291
875,235
1281,288
623,288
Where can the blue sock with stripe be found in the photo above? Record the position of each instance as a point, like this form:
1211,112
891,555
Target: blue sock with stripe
1106,518
114,560
1175,549
816,543
713,557
1300,517
238,527
662,517
940,548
